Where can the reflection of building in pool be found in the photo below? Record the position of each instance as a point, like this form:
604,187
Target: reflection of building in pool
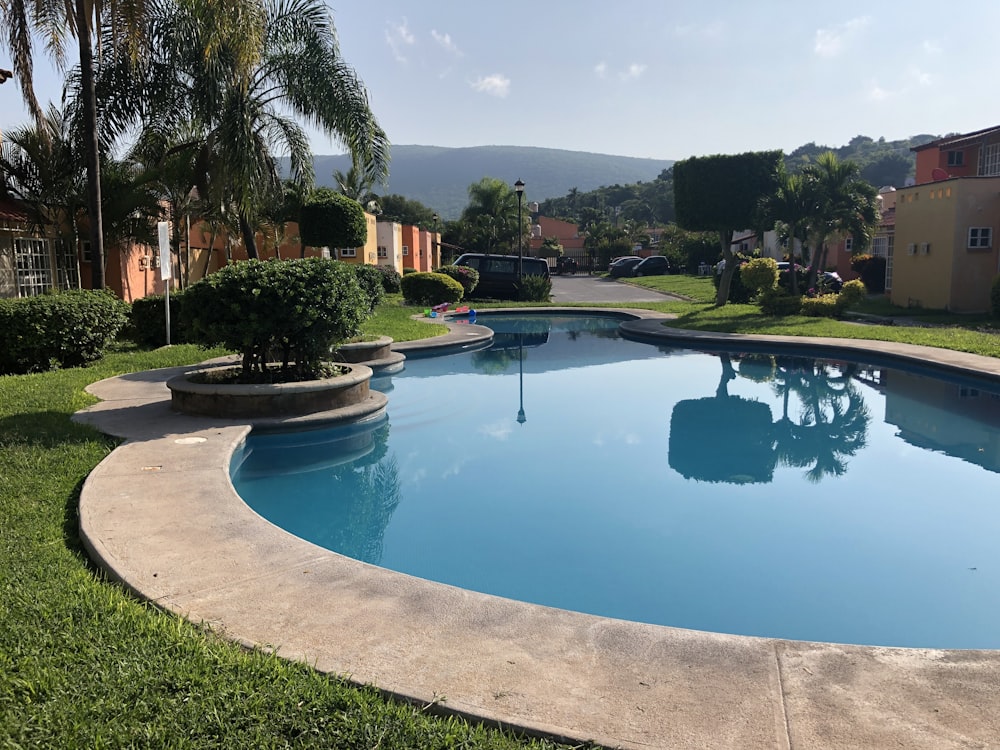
958,420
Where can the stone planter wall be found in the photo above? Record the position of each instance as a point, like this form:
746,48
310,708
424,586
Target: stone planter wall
271,400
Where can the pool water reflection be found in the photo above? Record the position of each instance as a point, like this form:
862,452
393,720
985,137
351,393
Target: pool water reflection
740,493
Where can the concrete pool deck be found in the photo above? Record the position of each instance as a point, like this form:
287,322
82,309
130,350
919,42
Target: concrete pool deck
160,514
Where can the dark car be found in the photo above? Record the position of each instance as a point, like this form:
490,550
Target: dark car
831,280
498,273
623,266
654,265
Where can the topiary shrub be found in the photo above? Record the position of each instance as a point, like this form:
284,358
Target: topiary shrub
535,288
851,294
67,329
779,302
297,310
759,275
148,321
424,288
823,306
409,269
372,281
995,297
329,219
464,275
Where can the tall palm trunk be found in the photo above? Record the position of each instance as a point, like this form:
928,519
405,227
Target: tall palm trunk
249,240
92,147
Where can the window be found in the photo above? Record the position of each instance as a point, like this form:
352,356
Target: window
990,165
406,250
383,252
849,244
348,252
980,237
888,262
33,265
85,250
956,158
67,268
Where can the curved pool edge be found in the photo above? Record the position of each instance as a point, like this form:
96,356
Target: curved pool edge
153,508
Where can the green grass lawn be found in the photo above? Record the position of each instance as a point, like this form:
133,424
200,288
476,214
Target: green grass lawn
83,664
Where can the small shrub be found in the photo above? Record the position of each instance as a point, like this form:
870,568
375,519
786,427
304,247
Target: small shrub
823,306
329,219
67,329
779,302
297,310
148,321
409,269
995,297
759,275
371,279
851,294
424,288
535,288
464,275
390,279
871,269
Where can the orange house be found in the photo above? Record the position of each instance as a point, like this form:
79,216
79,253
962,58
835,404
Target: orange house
975,154
410,237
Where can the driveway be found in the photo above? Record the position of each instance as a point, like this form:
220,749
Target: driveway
584,288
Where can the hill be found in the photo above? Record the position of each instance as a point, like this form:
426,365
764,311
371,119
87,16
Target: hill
440,177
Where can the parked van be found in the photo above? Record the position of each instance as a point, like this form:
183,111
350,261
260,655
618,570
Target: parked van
498,273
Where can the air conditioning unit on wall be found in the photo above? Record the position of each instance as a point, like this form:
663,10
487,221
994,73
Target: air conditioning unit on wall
911,249
925,248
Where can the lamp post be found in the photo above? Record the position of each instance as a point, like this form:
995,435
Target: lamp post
519,189
521,419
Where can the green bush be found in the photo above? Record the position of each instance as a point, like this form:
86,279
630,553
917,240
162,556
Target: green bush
535,288
409,269
738,291
390,279
759,275
851,293
294,310
464,275
67,329
329,219
871,269
823,306
424,288
779,302
995,297
148,321
372,280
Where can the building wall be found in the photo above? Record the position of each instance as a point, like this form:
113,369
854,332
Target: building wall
410,249
932,266
390,242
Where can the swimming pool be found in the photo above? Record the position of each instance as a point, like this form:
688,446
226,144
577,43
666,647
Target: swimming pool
749,494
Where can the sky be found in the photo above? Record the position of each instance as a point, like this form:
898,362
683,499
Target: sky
657,79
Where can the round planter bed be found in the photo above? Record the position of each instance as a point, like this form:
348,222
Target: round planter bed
376,354
273,400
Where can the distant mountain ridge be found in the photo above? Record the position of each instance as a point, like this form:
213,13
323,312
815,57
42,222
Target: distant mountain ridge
439,177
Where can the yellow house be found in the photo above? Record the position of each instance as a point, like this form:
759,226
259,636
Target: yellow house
945,249
368,253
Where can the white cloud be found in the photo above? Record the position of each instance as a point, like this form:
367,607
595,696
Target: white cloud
601,69
446,42
398,37
931,47
920,77
876,93
633,71
497,85
831,42
497,430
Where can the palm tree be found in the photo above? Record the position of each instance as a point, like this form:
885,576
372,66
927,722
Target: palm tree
55,21
492,213
847,205
794,203
238,69
357,184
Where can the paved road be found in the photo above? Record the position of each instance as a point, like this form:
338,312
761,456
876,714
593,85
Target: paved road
584,288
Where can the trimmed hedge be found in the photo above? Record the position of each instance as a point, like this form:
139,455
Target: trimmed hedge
759,275
66,329
390,279
779,302
372,280
148,321
424,288
995,297
294,310
871,269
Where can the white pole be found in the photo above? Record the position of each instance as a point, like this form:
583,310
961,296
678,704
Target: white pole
166,272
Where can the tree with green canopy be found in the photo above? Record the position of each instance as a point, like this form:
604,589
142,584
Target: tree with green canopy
722,194
329,219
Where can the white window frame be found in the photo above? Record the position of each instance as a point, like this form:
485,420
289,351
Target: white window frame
849,244
383,252
67,265
406,250
33,266
347,252
956,158
990,161
980,238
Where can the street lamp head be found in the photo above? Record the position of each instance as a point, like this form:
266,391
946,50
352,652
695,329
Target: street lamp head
519,187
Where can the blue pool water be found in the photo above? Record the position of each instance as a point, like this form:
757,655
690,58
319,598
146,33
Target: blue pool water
761,495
